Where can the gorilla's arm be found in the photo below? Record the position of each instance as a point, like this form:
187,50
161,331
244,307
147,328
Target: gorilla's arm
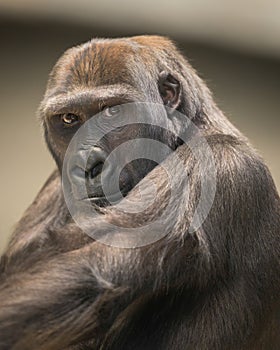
79,295
33,239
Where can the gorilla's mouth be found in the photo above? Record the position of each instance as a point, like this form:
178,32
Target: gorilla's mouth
106,200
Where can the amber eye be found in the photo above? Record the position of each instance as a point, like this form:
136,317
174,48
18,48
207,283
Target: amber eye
111,111
70,119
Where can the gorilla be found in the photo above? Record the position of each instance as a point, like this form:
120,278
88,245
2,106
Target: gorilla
213,285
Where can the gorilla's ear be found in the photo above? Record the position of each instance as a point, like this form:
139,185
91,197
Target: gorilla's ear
169,89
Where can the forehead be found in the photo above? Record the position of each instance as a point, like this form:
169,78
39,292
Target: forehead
95,64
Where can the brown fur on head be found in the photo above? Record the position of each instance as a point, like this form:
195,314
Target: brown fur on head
115,71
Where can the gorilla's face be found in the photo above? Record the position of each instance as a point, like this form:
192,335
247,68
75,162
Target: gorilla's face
111,165
97,161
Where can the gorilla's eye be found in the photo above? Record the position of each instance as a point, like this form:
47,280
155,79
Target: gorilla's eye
111,111
70,119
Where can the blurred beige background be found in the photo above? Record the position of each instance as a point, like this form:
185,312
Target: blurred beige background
235,47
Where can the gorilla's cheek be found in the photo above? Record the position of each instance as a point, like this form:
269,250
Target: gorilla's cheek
133,172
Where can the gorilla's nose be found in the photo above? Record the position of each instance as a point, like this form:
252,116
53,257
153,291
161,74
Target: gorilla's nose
95,170
85,172
95,162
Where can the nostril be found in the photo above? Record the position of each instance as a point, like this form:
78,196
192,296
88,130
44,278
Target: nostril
96,170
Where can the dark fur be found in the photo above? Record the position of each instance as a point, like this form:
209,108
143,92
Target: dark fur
217,288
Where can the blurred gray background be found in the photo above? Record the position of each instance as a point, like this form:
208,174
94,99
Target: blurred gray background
234,46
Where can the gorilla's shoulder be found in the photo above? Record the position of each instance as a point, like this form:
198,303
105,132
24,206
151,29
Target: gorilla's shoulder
240,167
